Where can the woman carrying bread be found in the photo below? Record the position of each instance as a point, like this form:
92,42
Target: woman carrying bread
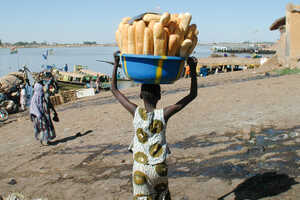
149,145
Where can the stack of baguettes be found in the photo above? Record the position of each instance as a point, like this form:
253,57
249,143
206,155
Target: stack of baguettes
159,35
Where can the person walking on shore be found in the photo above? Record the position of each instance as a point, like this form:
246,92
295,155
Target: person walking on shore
49,107
149,145
39,114
98,83
23,97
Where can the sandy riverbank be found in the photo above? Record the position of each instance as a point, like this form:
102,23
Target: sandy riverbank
212,151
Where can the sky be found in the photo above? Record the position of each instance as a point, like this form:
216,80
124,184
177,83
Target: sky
75,21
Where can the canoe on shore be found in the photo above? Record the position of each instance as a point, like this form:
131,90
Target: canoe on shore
66,85
74,85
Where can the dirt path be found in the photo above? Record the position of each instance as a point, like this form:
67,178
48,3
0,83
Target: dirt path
212,148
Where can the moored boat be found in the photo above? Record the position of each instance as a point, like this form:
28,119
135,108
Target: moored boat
80,78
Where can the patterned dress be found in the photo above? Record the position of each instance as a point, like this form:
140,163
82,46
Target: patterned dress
43,126
150,150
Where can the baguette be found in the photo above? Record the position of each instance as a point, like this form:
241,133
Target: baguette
125,20
124,33
151,24
179,19
118,38
191,31
159,36
185,20
165,18
139,36
166,38
194,44
184,47
174,16
173,44
180,32
172,26
148,42
131,39
149,17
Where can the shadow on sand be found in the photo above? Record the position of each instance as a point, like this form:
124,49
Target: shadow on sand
262,185
64,140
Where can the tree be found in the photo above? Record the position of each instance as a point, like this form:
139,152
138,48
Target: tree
34,43
0,42
20,43
89,43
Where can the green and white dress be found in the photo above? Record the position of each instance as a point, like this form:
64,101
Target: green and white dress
150,150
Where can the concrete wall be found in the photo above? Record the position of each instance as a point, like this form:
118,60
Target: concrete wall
281,47
293,35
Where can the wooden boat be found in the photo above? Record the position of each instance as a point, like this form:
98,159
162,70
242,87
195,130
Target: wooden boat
76,80
69,80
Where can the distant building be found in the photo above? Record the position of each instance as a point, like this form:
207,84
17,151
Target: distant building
288,47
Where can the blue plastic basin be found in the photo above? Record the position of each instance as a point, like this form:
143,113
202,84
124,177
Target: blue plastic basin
152,69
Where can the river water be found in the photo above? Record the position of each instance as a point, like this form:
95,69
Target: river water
87,56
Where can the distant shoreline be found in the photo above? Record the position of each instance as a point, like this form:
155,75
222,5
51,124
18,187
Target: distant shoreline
115,45
59,46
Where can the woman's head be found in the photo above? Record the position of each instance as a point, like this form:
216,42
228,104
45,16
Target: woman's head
150,93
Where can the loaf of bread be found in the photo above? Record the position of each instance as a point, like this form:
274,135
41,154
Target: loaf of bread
185,20
124,40
158,34
191,31
184,47
194,44
159,37
165,18
131,39
151,24
149,17
139,36
148,42
118,38
173,44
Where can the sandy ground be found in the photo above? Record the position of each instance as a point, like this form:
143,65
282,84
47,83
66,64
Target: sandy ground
242,126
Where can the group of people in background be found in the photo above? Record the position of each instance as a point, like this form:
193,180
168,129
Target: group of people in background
200,71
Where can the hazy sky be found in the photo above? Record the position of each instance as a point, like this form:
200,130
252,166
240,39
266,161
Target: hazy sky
97,20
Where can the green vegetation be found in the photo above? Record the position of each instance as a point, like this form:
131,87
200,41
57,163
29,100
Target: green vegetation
34,43
89,43
287,71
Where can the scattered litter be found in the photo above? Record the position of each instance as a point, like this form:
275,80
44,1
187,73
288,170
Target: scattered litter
280,137
85,92
15,196
293,134
12,182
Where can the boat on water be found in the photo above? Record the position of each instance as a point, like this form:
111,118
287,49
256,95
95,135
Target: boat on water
13,50
81,77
